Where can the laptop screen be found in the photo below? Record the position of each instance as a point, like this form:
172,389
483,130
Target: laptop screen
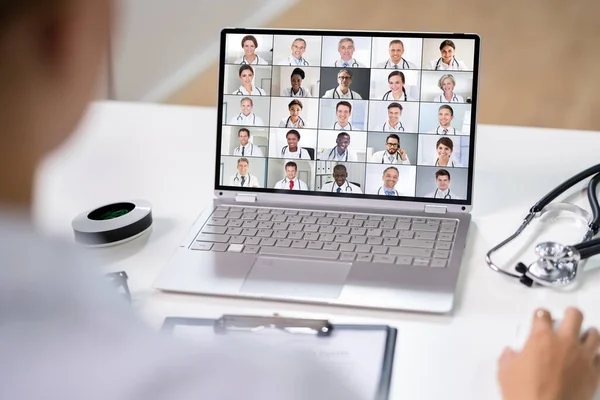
376,115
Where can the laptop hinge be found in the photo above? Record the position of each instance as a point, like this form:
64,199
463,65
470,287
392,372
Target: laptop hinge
436,209
245,198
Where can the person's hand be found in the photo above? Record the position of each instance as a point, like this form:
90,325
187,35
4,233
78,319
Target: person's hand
553,365
402,154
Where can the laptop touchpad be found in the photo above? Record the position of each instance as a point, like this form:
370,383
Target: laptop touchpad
289,277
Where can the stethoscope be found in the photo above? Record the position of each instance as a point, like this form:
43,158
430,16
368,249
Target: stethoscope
245,62
300,92
239,92
284,149
387,95
447,196
401,128
240,118
557,265
354,63
237,178
299,125
453,100
436,163
395,191
239,149
285,181
340,127
397,157
332,152
304,62
339,96
346,190
404,64
437,131
437,64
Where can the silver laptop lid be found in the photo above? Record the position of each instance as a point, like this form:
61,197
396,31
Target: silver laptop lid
358,115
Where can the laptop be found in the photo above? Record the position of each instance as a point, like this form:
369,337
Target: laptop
344,170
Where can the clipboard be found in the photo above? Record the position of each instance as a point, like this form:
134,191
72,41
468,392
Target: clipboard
313,333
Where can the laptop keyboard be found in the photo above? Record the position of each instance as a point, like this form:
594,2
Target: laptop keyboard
425,242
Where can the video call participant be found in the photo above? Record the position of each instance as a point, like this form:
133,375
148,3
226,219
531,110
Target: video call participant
242,178
340,152
340,182
447,60
390,179
393,123
296,90
394,153
246,74
396,61
343,112
296,58
294,120
447,83
250,44
442,180
247,117
246,149
444,148
397,92
346,50
292,150
445,117
291,182
343,91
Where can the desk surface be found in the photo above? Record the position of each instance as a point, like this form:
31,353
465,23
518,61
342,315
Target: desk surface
165,154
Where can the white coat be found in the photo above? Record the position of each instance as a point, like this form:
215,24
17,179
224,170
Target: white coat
456,98
255,91
382,189
352,63
293,61
250,119
336,93
338,127
382,157
257,61
287,123
303,92
403,64
301,153
250,150
388,96
443,194
299,184
250,181
333,155
451,131
347,187
388,128
455,65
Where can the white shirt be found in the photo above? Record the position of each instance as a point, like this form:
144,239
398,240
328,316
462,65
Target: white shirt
338,94
403,64
352,63
451,164
287,123
303,92
299,184
382,189
333,155
441,194
383,157
250,150
293,61
347,187
257,61
388,128
347,127
250,181
455,65
450,131
388,96
301,153
456,98
250,119
255,91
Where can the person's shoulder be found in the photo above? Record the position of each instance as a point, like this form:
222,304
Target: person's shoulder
412,65
380,64
356,94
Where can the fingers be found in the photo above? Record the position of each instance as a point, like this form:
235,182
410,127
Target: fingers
591,342
508,355
571,323
542,321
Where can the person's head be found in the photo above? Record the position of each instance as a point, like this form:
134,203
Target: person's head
392,143
247,104
390,177
344,78
396,81
442,179
343,110
342,141
340,174
292,137
447,83
296,78
246,74
394,113
295,107
445,115
244,136
346,48
298,48
52,53
447,48
444,147
249,44
396,50
242,166
291,168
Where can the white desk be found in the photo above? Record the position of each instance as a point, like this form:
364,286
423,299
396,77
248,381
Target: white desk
165,154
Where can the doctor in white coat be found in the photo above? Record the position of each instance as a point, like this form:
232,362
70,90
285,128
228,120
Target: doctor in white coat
393,124
442,180
296,89
296,58
397,92
444,149
445,117
343,112
447,83
390,179
346,49
340,182
340,152
343,91
246,149
293,150
247,87
447,60
242,178
291,181
396,61
247,117
394,154
294,120
249,45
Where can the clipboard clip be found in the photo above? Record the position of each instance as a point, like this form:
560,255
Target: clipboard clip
229,323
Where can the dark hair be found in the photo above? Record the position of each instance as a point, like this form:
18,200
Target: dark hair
446,142
298,102
291,164
447,42
300,40
244,130
340,166
448,108
294,132
394,104
247,98
442,172
401,75
393,136
243,159
298,71
343,134
245,67
396,41
249,37
388,168
344,103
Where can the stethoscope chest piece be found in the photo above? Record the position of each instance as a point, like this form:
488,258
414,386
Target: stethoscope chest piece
556,265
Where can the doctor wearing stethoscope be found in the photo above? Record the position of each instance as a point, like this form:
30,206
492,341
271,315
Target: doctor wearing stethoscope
249,45
343,111
397,92
393,123
340,182
394,154
296,89
247,117
292,150
242,178
396,61
442,180
291,182
447,60
346,50
444,148
447,83
445,117
390,179
294,120
247,87
340,152
246,149
296,58
343,91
